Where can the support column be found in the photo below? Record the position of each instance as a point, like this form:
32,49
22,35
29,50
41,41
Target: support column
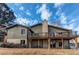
62,44
48,43
5,39
76,43
29,43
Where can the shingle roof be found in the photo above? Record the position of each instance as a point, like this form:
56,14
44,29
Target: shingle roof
36,25
18,25
51,26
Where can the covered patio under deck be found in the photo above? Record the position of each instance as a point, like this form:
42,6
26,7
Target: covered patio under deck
38,43
48,41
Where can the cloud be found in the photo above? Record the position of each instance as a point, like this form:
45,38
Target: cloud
37,6
17,4
45,14
56,5
34,21
23,21
61,15
70,26
21,8
63,18
74,20
59,11
77,29
28,13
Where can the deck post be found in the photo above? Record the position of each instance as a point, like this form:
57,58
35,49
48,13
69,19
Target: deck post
5,39
29,43
48,43
62,44
76,43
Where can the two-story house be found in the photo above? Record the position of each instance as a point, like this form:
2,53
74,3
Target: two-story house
40,35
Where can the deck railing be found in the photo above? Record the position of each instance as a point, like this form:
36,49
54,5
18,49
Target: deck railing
52,34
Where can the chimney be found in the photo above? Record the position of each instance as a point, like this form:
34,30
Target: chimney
45,26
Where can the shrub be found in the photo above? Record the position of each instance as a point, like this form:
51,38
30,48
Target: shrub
10,45
23,46
16,45
3,45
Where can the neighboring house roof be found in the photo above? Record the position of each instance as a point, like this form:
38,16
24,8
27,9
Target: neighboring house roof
51,26
18,25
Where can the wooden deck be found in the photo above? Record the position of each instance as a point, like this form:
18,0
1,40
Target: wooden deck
56,35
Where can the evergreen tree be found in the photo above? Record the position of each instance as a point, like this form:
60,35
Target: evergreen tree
6,14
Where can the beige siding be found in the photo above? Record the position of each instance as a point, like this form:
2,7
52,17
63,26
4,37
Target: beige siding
78,39
45,43
37,29
16,41
73,40
14,34
40,29
52,29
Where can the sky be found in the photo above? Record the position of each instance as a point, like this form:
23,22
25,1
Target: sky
66,15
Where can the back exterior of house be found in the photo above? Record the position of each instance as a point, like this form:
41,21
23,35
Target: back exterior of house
40,35
17,34
50,36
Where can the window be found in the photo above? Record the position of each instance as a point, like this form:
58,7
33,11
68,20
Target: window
22,31
22,42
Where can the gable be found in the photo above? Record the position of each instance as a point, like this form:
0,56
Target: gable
57,29
18,26
38,28
16,32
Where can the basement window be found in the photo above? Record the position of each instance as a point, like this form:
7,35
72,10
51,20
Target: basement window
22,41
22,31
